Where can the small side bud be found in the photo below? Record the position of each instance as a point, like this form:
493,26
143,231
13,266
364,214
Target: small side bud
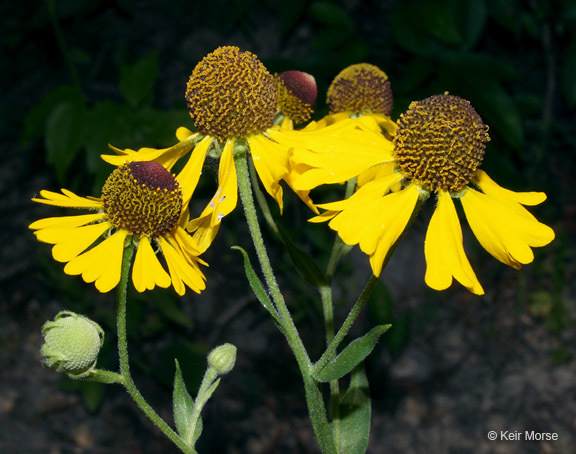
222,358
71,344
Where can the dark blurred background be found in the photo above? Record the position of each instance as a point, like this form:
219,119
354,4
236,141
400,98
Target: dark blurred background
79,74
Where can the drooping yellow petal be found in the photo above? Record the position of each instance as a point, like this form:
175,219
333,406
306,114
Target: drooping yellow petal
370,191
187,246
70,242
147,271
444,250
206,226
183,133
67,199
102,263
375,172
491,188
375,221
181,271
394,212
507,234
167,157
66,221
190,174
323,217
271,163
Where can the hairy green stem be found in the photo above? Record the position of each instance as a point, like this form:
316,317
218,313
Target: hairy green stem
127,380
316,407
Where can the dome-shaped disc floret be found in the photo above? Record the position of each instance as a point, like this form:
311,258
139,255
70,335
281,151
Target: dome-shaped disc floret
360,88
440,142
231,94
297,94
143,198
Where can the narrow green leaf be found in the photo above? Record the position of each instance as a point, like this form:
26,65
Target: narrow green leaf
182,403
137,80
257,286
355,414
351,356
92,394
64,135
305,264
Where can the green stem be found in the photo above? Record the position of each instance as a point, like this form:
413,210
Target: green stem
338,250
201,398
316,408
127,380
261,199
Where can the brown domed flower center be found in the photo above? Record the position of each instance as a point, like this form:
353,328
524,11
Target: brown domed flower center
360,88
297,94
230,94
440,142
143,198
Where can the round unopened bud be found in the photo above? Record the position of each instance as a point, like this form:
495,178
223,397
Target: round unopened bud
222,358
71,344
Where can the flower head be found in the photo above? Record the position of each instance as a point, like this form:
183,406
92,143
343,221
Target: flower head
297,94
231,94
141,202
360,88
438,148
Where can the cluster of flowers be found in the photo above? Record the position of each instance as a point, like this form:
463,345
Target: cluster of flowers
434,149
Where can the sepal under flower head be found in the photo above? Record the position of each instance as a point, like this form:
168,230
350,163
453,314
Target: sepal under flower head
71,344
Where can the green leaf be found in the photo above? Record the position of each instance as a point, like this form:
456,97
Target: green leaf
351,356
137,81
473,20
183,405
355,414
64,135
305,264
257,286
92,395
331,15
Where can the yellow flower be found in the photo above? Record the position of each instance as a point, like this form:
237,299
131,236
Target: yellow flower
141,202
438,148
233,100
360,98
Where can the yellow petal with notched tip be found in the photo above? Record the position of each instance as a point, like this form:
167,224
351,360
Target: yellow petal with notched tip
66,221
69,243
395,210
181,271
491,188
67,199
223,203
444,250
507,234
190,174
147,271
271,163
102,263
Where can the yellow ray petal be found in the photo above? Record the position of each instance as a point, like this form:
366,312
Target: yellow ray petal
370,191
147,271
323,217
66,221
70,242
67,199
393,212
505,233
271,163
183,133
223,203
191,172
181,271
187,246
444,250
102,263
375,172
491,188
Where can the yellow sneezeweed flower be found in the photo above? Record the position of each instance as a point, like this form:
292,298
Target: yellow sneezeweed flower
438,148
233,100
141,202
359,97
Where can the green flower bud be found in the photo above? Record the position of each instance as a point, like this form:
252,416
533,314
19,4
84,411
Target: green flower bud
71,344
222,358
